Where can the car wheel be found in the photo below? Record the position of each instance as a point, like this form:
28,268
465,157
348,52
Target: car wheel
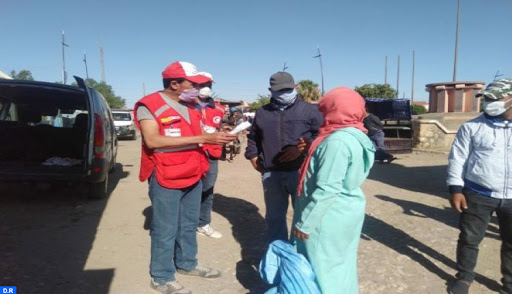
99,190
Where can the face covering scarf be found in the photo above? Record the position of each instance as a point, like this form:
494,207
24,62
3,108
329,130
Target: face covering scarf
284,98
189,95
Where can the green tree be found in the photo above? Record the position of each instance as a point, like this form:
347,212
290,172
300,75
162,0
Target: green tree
418,109
260,101
376,91
22,75
107,92
309,91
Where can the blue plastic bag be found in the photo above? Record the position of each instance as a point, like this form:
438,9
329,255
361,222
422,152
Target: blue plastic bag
288,270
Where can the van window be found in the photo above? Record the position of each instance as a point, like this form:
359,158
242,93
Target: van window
33,115
8,111
122,116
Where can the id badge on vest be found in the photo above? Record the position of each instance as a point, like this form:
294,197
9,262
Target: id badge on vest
170,127
172,132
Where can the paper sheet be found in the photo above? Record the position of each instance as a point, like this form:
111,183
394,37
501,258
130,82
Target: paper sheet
243,126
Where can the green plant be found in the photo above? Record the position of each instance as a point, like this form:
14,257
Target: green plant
418,109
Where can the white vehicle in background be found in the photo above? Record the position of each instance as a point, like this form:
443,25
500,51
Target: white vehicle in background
125,126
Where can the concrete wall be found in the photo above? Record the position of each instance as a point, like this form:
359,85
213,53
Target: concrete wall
437,131
429,135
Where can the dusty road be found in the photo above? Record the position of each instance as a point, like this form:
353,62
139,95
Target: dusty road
54,241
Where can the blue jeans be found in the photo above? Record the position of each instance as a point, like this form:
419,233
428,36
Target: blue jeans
173,229
378,141
205,216
473,224
278,186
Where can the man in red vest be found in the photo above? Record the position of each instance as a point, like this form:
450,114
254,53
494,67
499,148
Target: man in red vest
212,114
174,162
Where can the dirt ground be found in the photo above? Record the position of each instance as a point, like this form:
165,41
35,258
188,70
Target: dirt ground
55,241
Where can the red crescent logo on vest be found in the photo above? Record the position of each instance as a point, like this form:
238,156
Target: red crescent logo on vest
216,119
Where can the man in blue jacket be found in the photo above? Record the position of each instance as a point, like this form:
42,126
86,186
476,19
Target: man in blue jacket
480,181
276,146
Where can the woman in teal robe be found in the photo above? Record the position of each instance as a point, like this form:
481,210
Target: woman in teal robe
330,209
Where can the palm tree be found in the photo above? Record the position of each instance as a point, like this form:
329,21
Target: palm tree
309,91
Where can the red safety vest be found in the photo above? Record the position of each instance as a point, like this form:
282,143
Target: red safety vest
179,167
212,117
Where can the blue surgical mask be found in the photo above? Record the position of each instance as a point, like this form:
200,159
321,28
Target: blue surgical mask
284,97
189,95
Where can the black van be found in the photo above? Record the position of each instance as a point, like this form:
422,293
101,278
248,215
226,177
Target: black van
53,132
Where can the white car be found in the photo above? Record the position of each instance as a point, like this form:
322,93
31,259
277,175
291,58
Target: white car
125,127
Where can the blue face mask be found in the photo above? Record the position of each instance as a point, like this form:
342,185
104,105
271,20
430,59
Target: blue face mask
284,97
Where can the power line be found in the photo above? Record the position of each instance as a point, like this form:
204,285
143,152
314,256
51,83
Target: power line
64,74
413,69
456,44
386,71
398,78
102,64
85,62
319,56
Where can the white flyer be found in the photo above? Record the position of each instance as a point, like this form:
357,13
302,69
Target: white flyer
243,126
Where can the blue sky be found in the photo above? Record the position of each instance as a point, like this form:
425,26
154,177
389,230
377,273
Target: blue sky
243,42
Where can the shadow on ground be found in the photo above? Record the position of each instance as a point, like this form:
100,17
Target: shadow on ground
249,229
375,229
445,215
424,179
47,233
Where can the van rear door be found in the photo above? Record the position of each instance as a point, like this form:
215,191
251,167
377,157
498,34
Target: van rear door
90,123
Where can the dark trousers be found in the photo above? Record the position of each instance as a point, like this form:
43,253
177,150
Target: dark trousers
473,224
278,187
378,141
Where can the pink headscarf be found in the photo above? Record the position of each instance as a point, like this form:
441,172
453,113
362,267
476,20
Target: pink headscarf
342,108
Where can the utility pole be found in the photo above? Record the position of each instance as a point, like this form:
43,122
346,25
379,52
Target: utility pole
285,67
102,64
386,71
143,90
413,67
456,44
398,78
319,56
64,74
85,61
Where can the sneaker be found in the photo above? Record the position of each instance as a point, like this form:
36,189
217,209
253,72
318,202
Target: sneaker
209,232
201,272
459,286
169,288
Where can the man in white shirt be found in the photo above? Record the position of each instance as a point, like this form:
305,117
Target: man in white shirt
480,182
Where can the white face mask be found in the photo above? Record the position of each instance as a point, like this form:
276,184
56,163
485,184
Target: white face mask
205,92
495,108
